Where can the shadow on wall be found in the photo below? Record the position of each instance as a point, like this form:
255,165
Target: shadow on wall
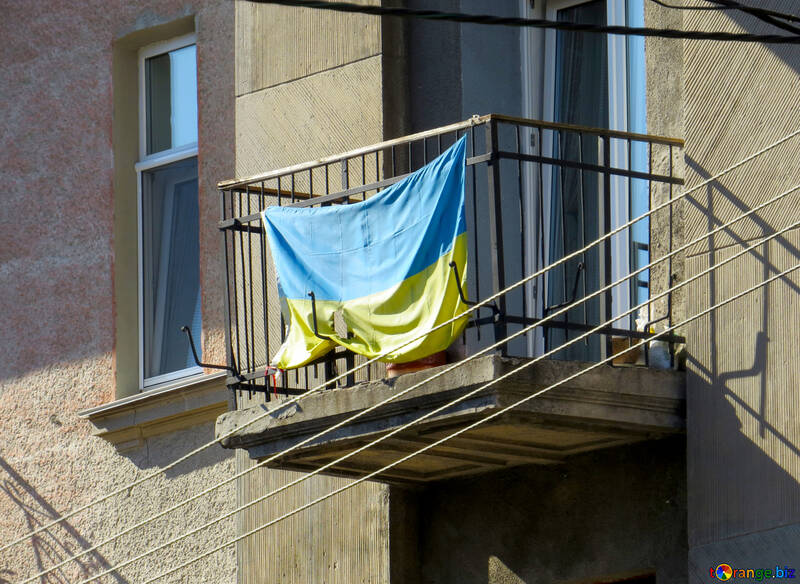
787,53
158,451
609,514
737,410
52,546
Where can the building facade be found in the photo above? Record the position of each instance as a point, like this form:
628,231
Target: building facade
632,473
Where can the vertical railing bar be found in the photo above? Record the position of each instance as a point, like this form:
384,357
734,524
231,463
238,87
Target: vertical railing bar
582,196
439,142
606,229
496,230
564,275
541,286
377,168
475,231
252,364
310,196
252,299
669,260
649,244
229,328
363,175
424,151
245,312
521,220
394,162
234,283
264,294
292,198
410,157
632,263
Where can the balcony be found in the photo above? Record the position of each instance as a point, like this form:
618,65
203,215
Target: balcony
540,197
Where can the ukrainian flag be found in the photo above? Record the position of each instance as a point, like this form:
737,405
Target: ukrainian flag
383,264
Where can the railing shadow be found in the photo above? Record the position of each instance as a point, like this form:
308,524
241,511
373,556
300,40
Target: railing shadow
723,445
53,545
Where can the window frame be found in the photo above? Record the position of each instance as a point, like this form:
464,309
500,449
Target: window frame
145,163
538,49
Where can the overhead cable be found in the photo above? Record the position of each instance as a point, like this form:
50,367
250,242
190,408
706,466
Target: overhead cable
475,391
127,488
400,394
724,5
768,16
514,21
474,425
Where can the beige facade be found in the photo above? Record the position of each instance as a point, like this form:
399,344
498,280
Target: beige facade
279,86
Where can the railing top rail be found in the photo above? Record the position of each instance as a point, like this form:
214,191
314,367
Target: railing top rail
653,138
473,121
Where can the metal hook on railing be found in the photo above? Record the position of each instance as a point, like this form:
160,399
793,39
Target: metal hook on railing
314,317
492,306
188,332
578,271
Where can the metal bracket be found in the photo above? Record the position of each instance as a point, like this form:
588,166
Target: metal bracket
197,361
314,317
580,268
493,306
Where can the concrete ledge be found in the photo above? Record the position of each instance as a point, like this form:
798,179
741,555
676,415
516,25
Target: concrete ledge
128,421
605,407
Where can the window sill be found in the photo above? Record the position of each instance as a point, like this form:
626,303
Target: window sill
126,422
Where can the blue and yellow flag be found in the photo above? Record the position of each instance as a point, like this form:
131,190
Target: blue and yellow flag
383,264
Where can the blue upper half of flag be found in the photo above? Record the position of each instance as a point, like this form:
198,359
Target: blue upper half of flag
342,252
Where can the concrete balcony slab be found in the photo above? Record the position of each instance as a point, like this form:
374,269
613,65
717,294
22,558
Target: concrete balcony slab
605,407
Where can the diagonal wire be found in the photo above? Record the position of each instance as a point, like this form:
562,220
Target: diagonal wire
126,488
698,8
490,19
459,399
361,413
729,5
767,16
470,427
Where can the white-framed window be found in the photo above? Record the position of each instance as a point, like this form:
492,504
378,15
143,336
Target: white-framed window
593,80
168,211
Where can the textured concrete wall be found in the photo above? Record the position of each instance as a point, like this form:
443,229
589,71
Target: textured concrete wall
311,84
664,82
607,515
57,270
743,432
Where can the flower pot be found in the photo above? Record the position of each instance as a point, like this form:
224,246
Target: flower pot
395,369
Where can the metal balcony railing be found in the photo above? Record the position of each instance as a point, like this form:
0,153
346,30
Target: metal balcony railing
535,191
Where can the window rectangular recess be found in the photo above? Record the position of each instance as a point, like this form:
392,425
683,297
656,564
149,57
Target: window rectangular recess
169,254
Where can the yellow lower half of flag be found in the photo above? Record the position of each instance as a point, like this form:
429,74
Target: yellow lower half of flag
384,322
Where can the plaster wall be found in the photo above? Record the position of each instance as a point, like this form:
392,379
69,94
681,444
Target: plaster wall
743,432
66,321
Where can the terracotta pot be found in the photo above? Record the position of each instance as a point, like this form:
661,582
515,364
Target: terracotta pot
395,369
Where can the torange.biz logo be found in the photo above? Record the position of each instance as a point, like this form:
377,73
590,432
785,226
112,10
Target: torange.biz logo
726,572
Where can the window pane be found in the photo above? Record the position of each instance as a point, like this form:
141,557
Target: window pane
581,98
171,99
170,258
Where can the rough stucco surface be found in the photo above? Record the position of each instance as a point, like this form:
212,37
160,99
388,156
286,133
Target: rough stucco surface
742,398
56,291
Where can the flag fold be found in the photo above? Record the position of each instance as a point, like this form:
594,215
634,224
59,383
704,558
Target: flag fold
382,264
